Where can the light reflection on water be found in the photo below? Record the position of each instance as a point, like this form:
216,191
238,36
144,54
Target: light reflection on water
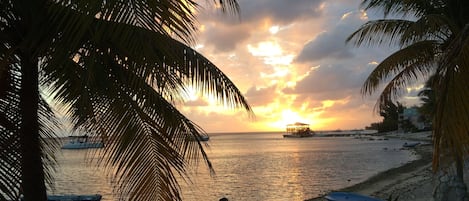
268,167
258,166
75,176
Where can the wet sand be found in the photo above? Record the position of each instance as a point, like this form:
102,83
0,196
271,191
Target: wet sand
410,182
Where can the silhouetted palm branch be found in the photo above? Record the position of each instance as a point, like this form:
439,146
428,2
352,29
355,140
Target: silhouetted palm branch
406,65
116,68
435,43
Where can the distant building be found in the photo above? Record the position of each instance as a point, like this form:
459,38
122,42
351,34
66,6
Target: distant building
412,116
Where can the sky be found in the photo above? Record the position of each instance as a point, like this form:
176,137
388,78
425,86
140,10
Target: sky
291,62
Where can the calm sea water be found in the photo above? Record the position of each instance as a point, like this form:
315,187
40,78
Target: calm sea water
259,166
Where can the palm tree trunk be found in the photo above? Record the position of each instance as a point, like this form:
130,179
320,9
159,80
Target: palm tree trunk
450,185
460,167
33,184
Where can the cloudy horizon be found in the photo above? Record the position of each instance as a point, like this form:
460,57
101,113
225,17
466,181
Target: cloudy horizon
291,62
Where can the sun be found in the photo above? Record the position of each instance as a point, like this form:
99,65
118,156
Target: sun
288,117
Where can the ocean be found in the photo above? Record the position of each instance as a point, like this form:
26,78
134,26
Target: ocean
258,166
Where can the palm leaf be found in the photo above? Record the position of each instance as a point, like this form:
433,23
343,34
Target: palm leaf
10,166
378,32
117,71
403,7
428,27
410,61
9,139
48,126
410,74
447,23
451,137
170,17
119,84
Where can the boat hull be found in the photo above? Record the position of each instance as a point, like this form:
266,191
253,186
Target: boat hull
345,196
410,145
204,138
83,145
96,197
296,136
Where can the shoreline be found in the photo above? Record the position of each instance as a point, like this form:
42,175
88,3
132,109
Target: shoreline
410,182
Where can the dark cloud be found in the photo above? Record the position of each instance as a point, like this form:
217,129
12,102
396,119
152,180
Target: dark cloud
325,45
331,44
225,32
280,11
331,79
277,11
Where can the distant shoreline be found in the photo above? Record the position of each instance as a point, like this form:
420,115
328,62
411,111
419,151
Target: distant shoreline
353,131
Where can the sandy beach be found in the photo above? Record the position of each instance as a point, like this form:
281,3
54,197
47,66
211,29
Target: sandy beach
411,182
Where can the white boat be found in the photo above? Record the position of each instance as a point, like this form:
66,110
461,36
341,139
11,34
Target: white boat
82,142
298,130
410,144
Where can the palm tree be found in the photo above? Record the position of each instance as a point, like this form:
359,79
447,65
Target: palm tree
433,36
115,67
427,97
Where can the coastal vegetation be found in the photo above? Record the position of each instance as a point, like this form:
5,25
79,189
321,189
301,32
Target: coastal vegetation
116,68
390,114
433,40
397,117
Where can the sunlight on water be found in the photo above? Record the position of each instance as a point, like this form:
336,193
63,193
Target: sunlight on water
258,166
76,176
268,167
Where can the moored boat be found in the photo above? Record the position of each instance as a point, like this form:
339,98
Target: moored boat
410,144
203,138
346,196
82,142
298,130
95,197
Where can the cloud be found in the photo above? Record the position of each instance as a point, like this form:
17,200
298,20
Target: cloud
269,51
280,11
225,38
261,96
332,80
332,43
196,103
225,33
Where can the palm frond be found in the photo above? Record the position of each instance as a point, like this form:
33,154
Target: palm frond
428,27
403,7
117,70
170,17
10,115
230,6
10,166
451,137
445,22
119,83
48,126
450,124
133,127
147,152
163,60
410,61
408,75
379,32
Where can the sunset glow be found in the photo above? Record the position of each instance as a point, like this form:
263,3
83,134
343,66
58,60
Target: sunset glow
292,64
